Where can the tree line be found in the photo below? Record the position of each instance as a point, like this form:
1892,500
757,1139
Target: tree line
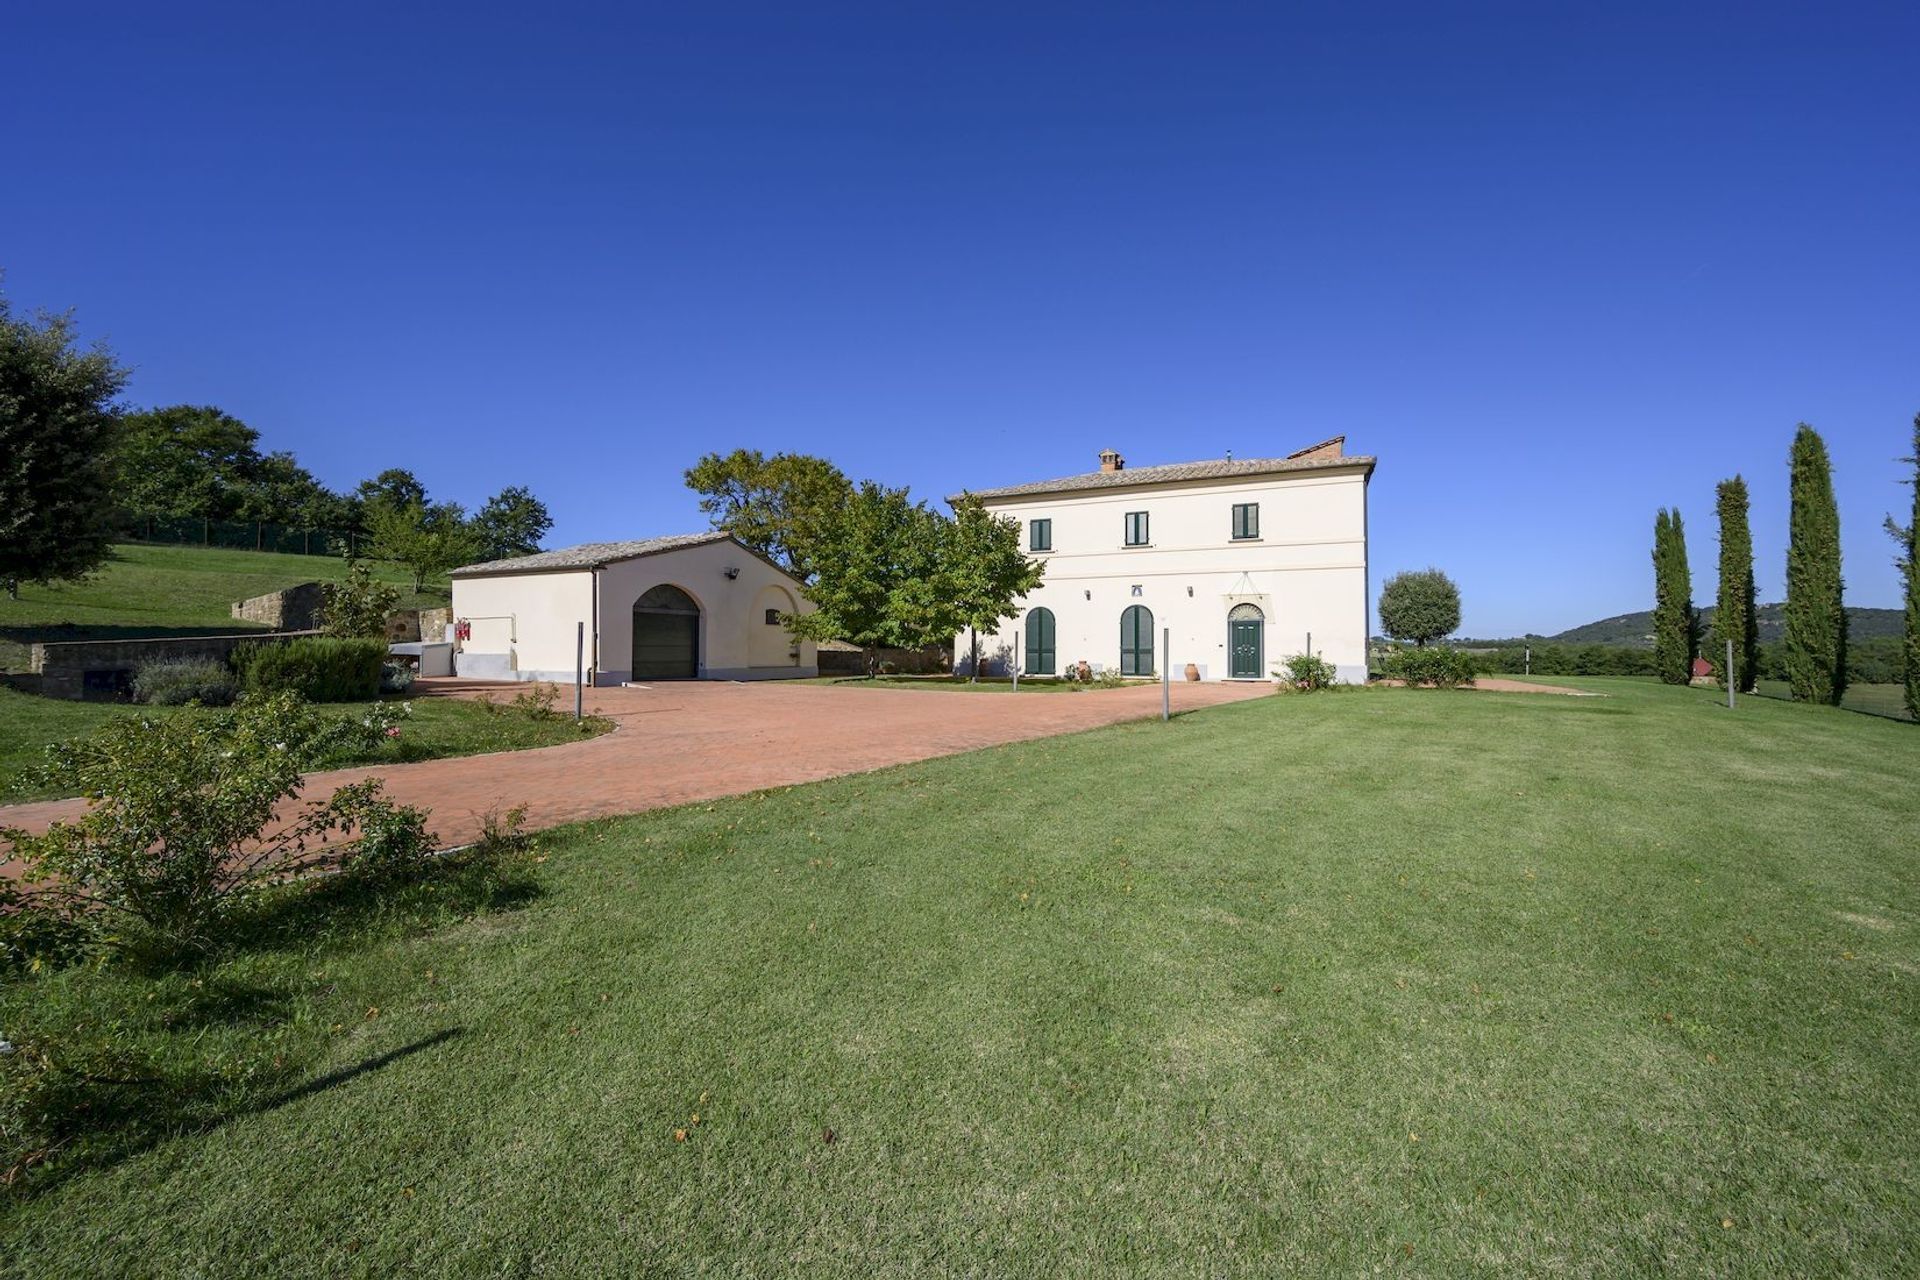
76,465
1814,656
881,569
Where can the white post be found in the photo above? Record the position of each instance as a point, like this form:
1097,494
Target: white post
1166,673
579,668
1016,662
1733,677
1527,666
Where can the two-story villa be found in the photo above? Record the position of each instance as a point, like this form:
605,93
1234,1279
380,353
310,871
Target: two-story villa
1245,560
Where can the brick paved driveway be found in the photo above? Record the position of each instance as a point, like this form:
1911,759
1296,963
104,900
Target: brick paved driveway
697,741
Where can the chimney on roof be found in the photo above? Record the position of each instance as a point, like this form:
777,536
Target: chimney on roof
1112,461
1333,448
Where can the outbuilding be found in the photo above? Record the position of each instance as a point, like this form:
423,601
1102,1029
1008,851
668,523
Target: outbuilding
699,606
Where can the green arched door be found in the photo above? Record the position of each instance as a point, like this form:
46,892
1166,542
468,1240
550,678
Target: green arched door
1136,641
1040,657
1246,642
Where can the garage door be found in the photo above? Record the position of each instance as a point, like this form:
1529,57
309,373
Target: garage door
666,635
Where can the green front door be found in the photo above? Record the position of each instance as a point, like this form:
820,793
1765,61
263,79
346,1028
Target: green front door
1243,644
1136,641
1040,652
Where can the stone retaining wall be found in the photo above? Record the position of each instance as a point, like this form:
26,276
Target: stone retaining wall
100,670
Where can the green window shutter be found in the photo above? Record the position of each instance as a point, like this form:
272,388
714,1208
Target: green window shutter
1136,528
1246,520
1039,535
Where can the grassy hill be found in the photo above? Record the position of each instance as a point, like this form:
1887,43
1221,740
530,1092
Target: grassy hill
1635,630
158,591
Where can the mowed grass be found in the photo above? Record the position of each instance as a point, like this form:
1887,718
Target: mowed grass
1386,981
436,727
1874,699
167,591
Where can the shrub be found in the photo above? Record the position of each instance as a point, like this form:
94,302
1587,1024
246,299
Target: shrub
1308,672
396,677
359,605
317,669
535,702
1110,678
181,824
173,682
1434,665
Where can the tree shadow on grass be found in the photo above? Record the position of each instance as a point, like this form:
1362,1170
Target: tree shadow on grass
114,1087
113,1114
340,907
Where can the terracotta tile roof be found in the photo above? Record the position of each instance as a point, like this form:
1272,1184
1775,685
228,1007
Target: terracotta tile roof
589,555
1209,469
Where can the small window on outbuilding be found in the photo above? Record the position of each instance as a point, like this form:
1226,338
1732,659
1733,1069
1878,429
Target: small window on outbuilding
773,617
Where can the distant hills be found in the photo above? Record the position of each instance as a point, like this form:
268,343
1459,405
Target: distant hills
1635,630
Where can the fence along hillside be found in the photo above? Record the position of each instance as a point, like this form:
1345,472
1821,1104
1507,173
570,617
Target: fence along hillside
238,535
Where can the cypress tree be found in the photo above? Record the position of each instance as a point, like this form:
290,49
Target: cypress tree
1908,536
1673,617
1735,616
1816,619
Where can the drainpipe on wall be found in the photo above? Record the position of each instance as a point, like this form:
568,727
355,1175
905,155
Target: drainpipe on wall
593,668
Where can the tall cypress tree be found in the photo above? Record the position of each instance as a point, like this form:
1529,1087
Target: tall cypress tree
1816,618
1735,617
1673,617
1908,536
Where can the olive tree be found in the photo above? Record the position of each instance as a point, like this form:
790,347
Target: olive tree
1421,605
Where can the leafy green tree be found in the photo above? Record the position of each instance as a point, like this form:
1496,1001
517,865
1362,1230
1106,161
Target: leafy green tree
428,540
1675,625
188,460
875,558
359,604
779,506
1815,633
511,523
58,434
281,491
1908,561
1735,614
395,487
1421,605
983,573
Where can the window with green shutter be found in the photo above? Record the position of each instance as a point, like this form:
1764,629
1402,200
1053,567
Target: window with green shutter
1246,521
1136,528
1039,535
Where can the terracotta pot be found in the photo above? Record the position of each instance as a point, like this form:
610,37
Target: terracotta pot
1193,672
1086,673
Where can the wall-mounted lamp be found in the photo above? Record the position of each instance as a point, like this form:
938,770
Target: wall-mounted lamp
1089,595
731,573
1189,593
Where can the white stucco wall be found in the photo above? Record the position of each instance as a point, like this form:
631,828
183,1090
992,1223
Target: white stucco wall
1307,571
523,624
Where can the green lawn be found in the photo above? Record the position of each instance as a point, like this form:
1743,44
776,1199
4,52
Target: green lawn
1383,981
1874,699
437,727
167,591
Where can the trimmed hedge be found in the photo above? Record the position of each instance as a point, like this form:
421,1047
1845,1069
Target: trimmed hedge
319,668
1433,665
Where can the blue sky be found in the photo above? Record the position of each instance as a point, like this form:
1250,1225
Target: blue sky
1556,267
